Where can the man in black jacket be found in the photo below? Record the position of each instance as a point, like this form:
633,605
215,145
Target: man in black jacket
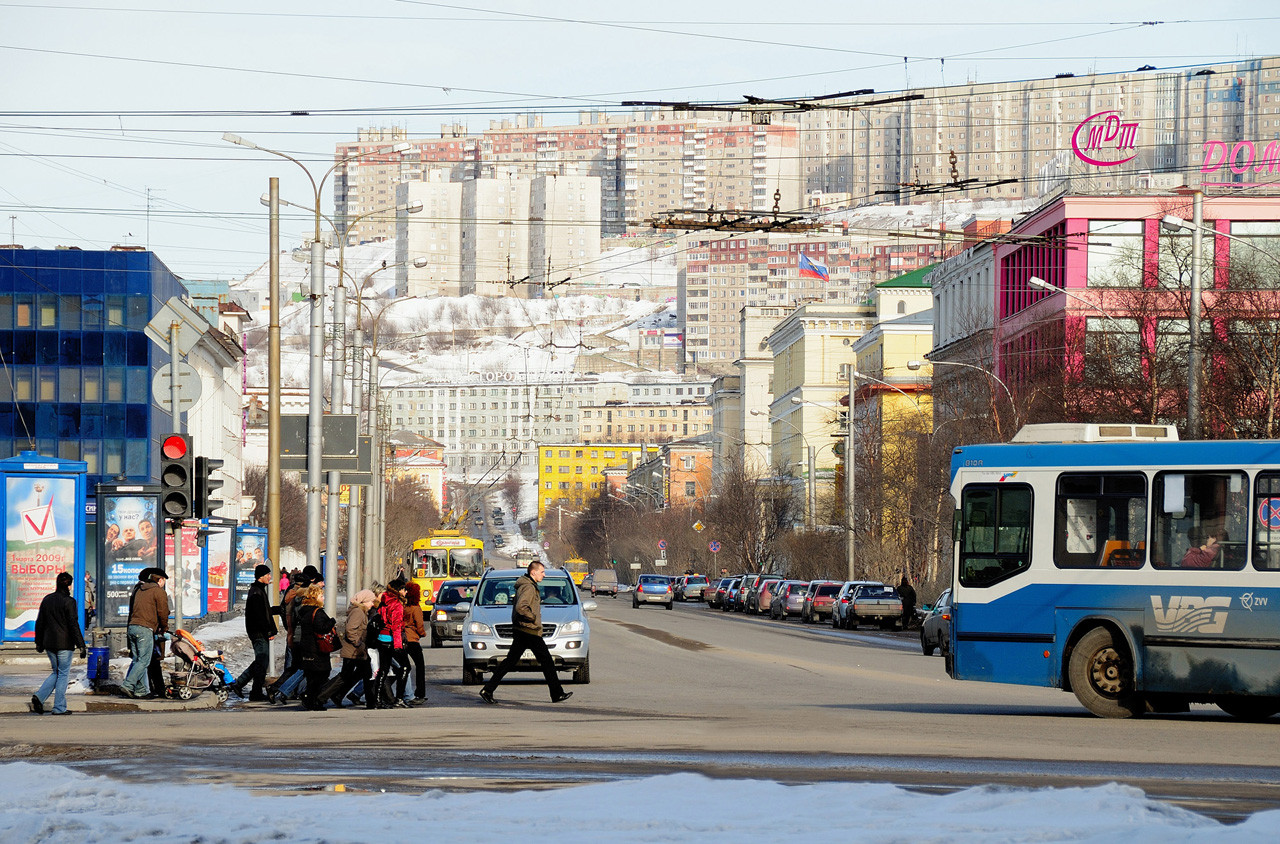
58,634
261,628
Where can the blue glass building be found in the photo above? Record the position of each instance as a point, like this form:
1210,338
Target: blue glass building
76,363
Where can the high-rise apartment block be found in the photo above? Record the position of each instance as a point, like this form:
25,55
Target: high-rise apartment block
647,163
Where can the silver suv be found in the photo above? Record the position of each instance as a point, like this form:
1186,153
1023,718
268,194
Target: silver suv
486,630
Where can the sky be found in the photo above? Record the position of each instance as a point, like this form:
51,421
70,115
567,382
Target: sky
112,120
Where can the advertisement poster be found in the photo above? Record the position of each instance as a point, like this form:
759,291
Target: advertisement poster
40,528
217,549
128,544
192,572
251,551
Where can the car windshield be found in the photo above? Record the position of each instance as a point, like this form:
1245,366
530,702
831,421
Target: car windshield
828,589
878,592
455,593
695,581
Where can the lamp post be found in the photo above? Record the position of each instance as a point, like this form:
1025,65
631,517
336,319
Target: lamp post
915,365
315,387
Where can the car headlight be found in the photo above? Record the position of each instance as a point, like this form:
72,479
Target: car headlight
442,615
476,628
573,627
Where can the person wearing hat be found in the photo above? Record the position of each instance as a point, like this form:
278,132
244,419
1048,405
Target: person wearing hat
148,616
261,628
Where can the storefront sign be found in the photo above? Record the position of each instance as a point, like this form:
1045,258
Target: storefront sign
1105,139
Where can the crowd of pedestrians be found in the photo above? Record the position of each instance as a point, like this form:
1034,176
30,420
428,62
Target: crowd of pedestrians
378,643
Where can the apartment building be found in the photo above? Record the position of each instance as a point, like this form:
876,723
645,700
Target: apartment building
564,235
570,473
492,423
648,163
429,243
627,422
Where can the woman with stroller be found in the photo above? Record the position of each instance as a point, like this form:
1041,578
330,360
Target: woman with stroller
311,657
414,629
356,665
391,658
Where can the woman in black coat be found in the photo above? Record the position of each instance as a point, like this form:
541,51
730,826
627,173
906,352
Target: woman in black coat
315,663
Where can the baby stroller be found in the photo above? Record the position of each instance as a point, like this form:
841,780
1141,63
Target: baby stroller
204,670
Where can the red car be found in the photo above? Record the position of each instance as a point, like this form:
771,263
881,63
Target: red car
819,600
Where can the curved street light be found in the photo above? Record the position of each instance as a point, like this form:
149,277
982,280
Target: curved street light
315,408
915,365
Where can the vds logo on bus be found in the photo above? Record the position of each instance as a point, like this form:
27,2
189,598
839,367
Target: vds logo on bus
1188,614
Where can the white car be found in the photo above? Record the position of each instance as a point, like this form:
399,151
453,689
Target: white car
487,628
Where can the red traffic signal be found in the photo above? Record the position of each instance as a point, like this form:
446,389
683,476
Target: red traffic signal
176,481
175,446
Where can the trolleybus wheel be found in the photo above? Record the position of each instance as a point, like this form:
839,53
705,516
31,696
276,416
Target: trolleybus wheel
1101,672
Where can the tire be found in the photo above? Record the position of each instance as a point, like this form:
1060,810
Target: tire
671,605
471,677
925,646
436,641
223,695
850,622
1101,673
184,693
835,622
582,674
1248,708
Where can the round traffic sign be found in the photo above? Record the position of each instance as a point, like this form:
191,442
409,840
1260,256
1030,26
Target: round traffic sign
714,545
662,544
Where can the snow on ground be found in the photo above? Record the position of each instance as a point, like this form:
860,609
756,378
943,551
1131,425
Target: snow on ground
53,804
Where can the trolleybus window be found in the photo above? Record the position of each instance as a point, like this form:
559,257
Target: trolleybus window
1266,522
1200,521
1100,521
995,540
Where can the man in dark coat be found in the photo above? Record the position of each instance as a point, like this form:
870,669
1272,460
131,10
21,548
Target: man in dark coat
907,593
57,634
526,619
261,628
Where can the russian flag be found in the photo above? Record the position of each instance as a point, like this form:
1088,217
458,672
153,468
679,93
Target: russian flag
809,269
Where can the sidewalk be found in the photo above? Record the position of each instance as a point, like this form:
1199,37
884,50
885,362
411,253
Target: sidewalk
22,670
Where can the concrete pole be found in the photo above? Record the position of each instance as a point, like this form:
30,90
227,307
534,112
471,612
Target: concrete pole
273,405
372,572
315,407
357,568
335,478
1195,356
850,466
813,488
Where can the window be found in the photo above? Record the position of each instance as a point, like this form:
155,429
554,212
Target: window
1100,521
1266,537
995,537
690,489
1115,253
1201,519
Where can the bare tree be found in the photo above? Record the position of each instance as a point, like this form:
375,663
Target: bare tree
293,505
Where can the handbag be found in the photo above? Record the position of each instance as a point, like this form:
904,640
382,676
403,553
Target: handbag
327,643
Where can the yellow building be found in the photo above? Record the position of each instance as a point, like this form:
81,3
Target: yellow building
570,474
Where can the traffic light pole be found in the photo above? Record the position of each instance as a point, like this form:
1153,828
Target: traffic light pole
176,574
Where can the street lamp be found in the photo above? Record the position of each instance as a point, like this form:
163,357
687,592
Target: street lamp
315,409
915,365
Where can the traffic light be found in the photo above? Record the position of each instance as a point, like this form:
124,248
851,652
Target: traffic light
207,486
175,477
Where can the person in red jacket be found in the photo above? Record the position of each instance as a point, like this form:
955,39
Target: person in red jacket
391,657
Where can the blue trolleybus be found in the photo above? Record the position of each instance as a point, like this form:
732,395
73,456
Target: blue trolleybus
1115,562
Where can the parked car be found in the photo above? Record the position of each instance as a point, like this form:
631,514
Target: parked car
840,609
715,594
818,600
935,630
487,629
730,591
690,587
738,600
765,593
498,541
874,603
604,582
788,600
653,589
446,618
751,595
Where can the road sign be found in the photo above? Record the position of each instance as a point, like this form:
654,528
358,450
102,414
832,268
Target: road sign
188,386
698,526
714,545
339,444
635,565
662,544
191,326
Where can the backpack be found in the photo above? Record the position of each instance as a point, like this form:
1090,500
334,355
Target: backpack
376,625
